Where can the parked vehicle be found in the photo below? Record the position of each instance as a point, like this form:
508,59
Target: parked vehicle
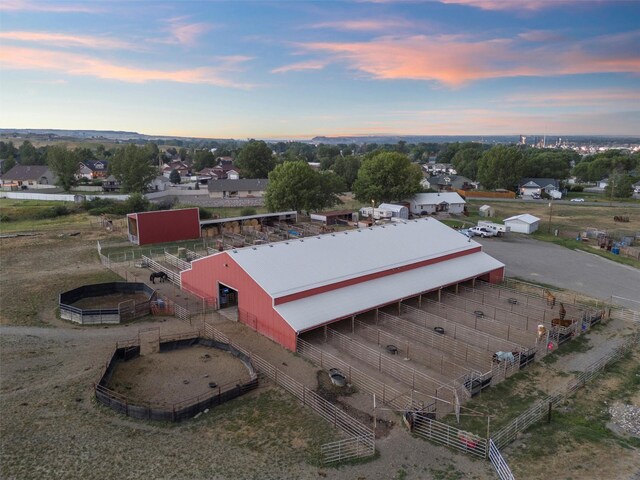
535,196
482,232
466,232
577,199
496,228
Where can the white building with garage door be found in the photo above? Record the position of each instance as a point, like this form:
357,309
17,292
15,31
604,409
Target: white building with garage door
524,223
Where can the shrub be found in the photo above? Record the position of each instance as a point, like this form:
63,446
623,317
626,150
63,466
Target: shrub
247,211
53,212
576,188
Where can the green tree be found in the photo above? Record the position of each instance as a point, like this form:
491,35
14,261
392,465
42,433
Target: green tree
174,177
387,177
297,186
548,163
130,165
501,167
255,160
466,159
28,154
64,164
203,159
620,186
347,169
8,164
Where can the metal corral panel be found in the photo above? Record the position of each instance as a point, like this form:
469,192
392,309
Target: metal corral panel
313,311
255,306
167,225
294,266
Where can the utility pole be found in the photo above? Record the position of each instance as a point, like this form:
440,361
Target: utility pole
550,212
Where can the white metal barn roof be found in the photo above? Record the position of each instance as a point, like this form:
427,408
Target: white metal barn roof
294,266
311,312
437,198
525,217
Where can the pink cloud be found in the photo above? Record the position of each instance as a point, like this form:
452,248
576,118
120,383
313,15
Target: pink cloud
454,60
24,5
365,25
575,98
183,33
64,40
301,66
530,5
72,64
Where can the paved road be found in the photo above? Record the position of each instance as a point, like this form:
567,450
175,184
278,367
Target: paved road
583,272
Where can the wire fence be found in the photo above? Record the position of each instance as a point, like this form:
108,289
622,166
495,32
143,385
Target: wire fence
361,439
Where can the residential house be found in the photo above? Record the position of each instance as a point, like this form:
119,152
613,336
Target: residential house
182,168
429,203
451,183
233,174
159,184
110,184
240,188
439,169
524,223
604,183
530,186
29,176
91,169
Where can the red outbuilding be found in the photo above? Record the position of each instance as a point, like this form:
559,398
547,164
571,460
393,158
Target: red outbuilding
164,226
284,289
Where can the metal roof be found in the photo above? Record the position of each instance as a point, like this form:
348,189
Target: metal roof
293,266
316,310
275,215
525,217
392,207
437,198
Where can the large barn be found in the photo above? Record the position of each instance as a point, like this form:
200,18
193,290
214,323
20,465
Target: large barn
287,288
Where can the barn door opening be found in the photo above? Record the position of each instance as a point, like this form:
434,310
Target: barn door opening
227,296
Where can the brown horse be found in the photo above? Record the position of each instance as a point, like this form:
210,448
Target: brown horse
561,322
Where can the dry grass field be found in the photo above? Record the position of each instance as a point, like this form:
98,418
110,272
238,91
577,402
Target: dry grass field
51,426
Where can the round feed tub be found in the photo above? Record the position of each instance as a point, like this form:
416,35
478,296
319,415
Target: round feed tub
337,377
155,385
111,302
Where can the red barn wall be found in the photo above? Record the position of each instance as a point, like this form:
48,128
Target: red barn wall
168,226
255,306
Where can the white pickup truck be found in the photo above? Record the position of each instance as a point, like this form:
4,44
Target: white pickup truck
496,228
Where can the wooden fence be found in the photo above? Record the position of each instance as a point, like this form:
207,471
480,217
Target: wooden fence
361,441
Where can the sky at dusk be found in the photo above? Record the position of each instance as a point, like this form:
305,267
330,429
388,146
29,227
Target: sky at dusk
296,69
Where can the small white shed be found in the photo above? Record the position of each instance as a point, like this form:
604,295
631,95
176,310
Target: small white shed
524,223
486,211
397,211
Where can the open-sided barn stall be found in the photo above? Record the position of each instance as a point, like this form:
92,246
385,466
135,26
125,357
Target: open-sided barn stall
164,226
286,288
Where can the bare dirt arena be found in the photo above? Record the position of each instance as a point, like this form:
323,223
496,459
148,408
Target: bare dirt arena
52,427
178,375
109,301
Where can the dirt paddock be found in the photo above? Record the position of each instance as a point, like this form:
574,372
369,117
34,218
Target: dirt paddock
177,375
109,301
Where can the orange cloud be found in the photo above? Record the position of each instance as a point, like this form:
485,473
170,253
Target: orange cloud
64,40
72,64
454,60
301,66
24,5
